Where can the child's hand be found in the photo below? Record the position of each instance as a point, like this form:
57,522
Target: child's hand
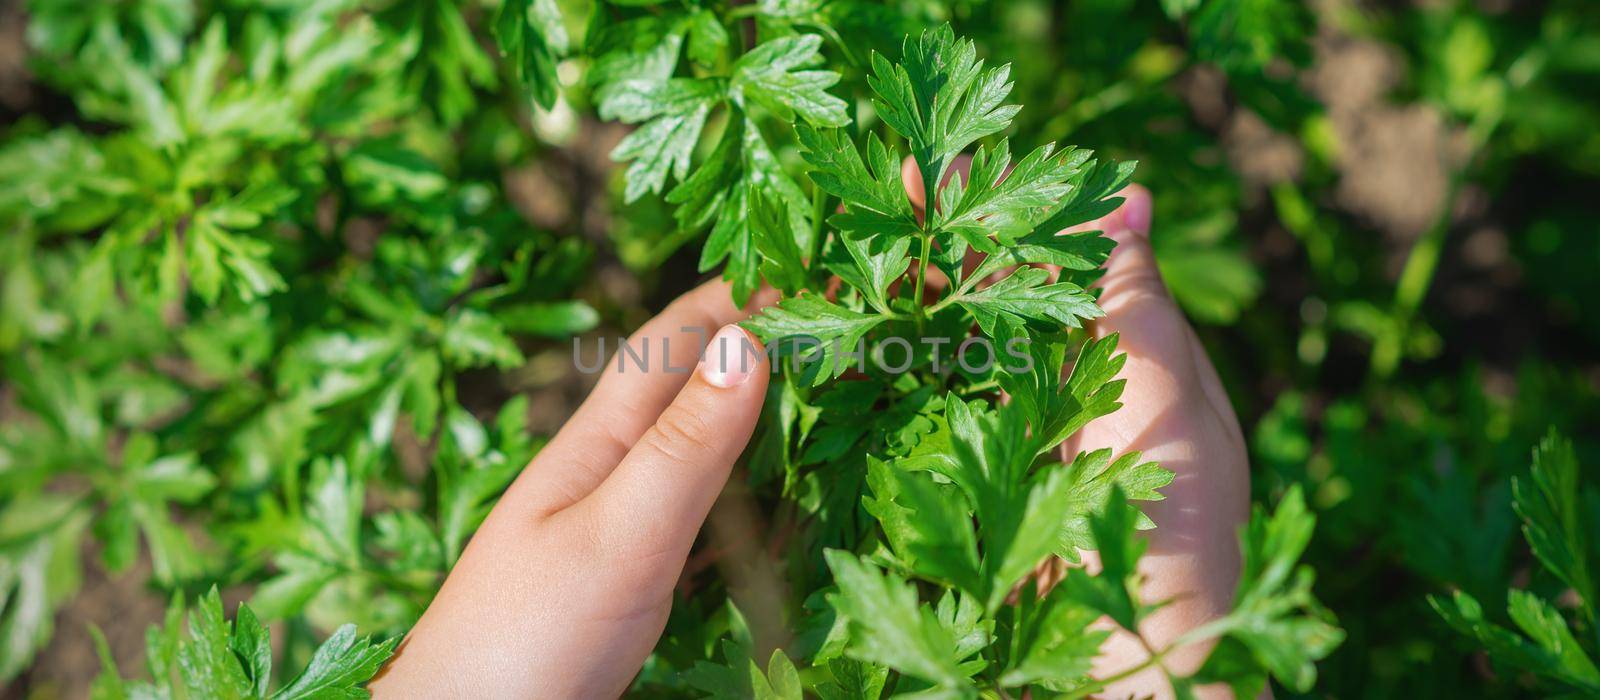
565,588
1176,412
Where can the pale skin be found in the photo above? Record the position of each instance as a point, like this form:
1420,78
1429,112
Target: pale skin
566,587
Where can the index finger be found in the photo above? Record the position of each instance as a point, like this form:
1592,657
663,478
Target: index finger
633,391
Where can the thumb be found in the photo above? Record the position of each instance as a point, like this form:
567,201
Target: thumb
1165,361
1132,265
659,495
1135,300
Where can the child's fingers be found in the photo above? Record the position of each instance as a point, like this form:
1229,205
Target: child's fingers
628,398
652,505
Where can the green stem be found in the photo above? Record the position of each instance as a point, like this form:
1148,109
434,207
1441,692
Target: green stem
1298,215
948,300
1103,683
819,204
981,387
291,491
1415,278
1423,259
926,243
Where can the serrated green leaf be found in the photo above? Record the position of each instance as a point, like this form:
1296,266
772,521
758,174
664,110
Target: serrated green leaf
853,680
868,272
1549,502
1057,645
1026,295
252,645
782,264
835,330
926,523
339,667
1552,653
718,193
1054,411
875,201
208,663
531,34
1115,590
940,97
1019,510
1275,617
767,75
661,146
780,682
889,627
1091,478
993,208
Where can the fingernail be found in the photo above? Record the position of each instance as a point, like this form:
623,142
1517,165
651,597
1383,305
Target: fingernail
1136,211
730,359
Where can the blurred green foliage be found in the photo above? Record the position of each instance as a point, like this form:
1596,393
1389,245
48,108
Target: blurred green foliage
273,271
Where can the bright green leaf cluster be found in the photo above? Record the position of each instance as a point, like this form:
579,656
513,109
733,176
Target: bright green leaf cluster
968,496
637,81
1556,514
223,659
271,281
247,266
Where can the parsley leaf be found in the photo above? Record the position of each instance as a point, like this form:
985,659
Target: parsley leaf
718,193
868,272
1019,510
1553,507
1548,649
1056,642
826,331
1276,626
223,659
767,75
530,32
338,667
875,200
1026,295
1092,477
993,202
941,98
674,112
926,523
782,264
1056,411
888,626
1115,590
1555,521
